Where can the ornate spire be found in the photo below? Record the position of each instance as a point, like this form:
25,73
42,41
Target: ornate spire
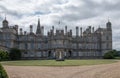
108,20
5,23
5,19
108,23
5,16
38,31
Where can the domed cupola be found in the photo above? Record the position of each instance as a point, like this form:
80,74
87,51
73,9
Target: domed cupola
108,25
5,23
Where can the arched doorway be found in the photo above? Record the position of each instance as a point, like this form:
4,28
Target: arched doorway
69,53
49,54
60,56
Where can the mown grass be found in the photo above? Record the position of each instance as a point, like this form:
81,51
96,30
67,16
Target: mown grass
118,58
57,63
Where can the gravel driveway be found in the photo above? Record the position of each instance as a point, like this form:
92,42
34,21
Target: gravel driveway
94,71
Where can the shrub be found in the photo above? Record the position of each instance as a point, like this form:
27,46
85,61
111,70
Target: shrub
111,54
115,53
108,56
3,73
4,55
15,54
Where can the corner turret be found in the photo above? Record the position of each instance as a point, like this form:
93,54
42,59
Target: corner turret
108,25
5,23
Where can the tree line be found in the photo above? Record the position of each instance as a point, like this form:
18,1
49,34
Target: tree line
111,54
15,54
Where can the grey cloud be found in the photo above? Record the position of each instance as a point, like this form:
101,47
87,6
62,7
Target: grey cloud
10,12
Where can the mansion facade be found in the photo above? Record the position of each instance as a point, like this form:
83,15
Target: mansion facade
58,43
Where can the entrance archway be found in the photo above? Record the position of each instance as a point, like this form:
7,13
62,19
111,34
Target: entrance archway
69,53
49,53
59,55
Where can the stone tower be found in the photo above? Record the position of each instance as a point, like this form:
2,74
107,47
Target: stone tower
109,35
5,23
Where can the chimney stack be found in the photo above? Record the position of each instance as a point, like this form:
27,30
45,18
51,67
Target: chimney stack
25,33
53,29
31,29
66,30
70,33
81,31
21,33
89,29
77,31
93,29
16,28
42,30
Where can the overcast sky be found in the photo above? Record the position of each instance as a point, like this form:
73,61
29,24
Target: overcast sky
72,13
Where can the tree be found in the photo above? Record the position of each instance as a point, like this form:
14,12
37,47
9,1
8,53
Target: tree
4,55
111,54
15,54
108,55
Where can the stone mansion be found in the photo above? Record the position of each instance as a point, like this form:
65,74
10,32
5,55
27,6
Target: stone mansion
58,43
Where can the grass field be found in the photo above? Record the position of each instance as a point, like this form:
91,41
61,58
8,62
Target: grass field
57,63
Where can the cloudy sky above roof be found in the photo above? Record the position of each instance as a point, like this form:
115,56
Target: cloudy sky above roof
72,13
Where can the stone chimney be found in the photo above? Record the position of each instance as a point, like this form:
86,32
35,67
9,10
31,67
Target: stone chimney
89,29
16,28
31,29
70,33
92,29
81,31
66,30
25,33
77,31
21,33
42,30
53,29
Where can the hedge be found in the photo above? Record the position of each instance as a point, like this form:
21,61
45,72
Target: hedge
3,73
15,54
4,55
111,54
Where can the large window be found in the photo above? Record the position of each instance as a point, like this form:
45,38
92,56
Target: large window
32,44
107,38
44,54
7,44
74,53
26,46
39,54
39,46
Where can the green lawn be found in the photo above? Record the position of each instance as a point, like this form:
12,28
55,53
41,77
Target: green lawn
57,63
117,58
